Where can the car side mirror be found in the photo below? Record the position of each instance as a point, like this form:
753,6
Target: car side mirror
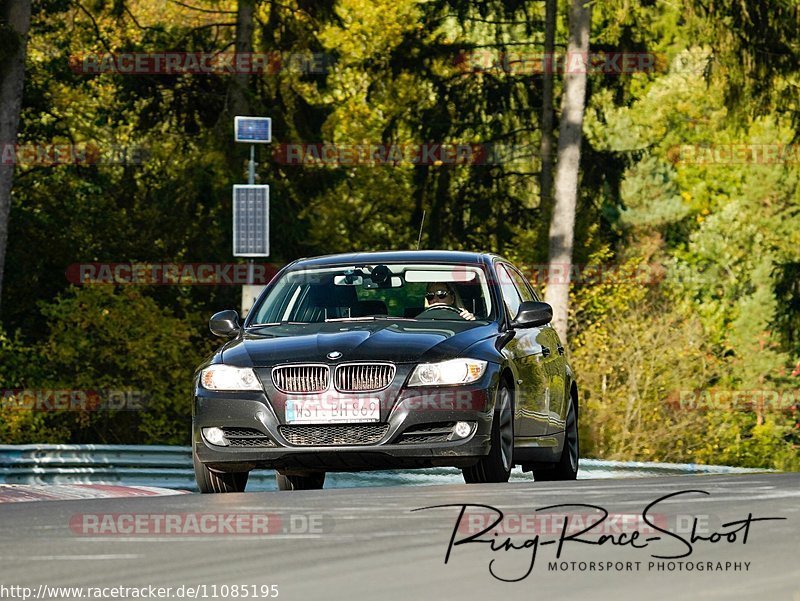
532,314
224,323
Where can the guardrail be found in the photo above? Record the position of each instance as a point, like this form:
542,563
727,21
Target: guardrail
167,466
171,467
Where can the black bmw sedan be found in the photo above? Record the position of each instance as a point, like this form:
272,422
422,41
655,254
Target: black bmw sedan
387,360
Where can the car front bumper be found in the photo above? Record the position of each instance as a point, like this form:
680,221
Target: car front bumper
402,411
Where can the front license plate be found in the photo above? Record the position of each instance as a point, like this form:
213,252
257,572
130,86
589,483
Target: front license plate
332,411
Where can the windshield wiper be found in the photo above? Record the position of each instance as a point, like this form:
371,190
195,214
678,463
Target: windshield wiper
370,318
364,318
278,323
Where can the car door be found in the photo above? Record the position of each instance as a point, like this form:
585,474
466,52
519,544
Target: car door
524,352
554,362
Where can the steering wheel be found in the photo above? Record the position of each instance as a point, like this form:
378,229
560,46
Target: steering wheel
442,308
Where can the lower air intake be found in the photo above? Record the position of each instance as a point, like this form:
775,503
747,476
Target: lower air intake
329,435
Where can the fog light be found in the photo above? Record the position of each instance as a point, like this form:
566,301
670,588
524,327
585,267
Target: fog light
462,429
215,436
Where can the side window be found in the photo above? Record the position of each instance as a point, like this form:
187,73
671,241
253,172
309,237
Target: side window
522,286
509,291
531,288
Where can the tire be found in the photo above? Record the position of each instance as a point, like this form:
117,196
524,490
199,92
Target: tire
217,482
567,466
497,465
313,481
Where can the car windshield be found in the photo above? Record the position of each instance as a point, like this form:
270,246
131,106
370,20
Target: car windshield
385,291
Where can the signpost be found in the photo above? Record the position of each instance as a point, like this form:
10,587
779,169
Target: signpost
251,205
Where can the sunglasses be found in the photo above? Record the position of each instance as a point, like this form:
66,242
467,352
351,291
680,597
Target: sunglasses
440,293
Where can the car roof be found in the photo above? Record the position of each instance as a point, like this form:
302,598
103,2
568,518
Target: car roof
397,256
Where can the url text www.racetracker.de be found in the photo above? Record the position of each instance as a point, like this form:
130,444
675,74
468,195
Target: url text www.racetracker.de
651,566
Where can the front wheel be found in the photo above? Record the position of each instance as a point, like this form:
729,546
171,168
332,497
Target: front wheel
209,481
292,482
567,466
496,466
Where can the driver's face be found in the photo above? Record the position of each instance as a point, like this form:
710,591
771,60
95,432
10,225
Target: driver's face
438,294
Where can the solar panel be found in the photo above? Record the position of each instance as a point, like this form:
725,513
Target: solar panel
251,221
254,130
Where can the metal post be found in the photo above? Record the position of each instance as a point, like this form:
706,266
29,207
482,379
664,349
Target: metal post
251,179
251,172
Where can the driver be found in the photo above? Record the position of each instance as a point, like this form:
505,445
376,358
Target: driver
441,293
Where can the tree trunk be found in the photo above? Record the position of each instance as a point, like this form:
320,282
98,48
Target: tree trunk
15,20
237,91
562,223
546,146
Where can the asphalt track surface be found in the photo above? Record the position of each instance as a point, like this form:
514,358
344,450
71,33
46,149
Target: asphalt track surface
367,543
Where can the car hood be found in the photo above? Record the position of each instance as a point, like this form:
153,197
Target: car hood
379,340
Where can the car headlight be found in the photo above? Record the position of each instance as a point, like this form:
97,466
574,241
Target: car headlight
447,373
227,377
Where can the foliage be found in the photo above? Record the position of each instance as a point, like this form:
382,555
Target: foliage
700,257
107,339
101,341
